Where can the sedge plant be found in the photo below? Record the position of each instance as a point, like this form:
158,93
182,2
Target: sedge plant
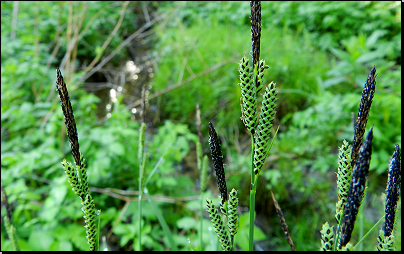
251,83
8,224
259,125
353,169
202,164
143,164
77,176
225,226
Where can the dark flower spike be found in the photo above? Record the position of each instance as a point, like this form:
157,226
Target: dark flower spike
255,30
356,189
364,107
393,192
69,117
217,159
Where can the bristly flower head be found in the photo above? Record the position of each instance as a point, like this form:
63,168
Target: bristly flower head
356,189
248,96
264,126
219,227
255,29
344,174
393,191
69,117
364,108
327,237
217,159
233,213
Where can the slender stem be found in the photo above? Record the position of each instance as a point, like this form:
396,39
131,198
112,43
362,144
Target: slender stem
253,189
200,234
140,217
370,230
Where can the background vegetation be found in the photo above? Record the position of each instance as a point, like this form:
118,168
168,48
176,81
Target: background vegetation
319,55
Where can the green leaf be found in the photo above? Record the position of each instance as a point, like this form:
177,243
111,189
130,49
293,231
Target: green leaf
116,149
187,223
40,240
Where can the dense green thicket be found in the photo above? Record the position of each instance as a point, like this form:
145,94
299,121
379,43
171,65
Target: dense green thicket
319,55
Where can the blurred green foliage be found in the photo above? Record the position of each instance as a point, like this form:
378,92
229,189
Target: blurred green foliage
319,55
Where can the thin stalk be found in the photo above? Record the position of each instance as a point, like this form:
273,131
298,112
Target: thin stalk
253,190
370,230
200,234
97,243
140,212
342,214
162,221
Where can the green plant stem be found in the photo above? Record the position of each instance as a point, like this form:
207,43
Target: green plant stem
140,217
97,243
162,221
370,230
342,213
253,190
200,234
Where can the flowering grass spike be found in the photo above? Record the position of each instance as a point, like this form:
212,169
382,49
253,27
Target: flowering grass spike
356,189
363,113
248,96
393,191
217,159
264,127
68,114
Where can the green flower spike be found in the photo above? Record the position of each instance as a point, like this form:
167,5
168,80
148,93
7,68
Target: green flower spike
264,127
88,209
233,213
142,156
83,171
73,179
204,172
218,225
344,174
327,237
385,243
260,75
248,96
12,234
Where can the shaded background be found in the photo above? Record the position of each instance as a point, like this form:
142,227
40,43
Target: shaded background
183,54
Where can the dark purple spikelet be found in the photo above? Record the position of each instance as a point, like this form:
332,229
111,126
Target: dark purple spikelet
255,30
69,117
217,159
356,189
393,191
364,108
